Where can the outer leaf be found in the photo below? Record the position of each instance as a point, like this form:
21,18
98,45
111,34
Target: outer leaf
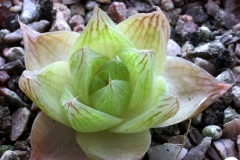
102,36
51,140
84,64
44,49
194,88
109,146
142,72
148,32
84,118
112,99
45,87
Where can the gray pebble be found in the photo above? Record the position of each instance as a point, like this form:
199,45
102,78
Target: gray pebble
14,53
19,122
17,35
213,131
3,33
89,5
226,77
68,2
131,11
77,9
88,16
230,114
196,120
173,49
29,12
197,12
167,5
9,155
236,95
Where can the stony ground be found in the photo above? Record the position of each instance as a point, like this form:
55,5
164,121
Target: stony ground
206,32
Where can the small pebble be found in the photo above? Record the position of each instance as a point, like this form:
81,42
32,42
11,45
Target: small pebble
12,98
181,139
17,35
213,131
166,151
236,95
131,11
196,120
207,66
104,1
62,11
117,11
19,122
237,49
230,114
173,49
205,33
9,155
67,2
88,16
77,9
197,12
4,77
13,67
14,53
76,20
89,5
226,77
5,121
232,129
167,5
225,147
29,12
3,33
199,151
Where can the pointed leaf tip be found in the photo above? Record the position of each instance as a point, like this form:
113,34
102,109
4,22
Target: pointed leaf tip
195,88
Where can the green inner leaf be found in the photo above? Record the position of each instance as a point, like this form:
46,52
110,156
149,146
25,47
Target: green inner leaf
84,64
96,84
112,99
113,69
141,65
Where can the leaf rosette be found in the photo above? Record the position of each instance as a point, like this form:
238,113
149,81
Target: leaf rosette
111,84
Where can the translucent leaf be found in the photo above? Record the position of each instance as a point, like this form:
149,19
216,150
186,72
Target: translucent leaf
84,118
159,107
148,32
96,84
112,99
194,88
142,71
84,64
108,146
166,108
51,140
102,36
45,87
44,49
113,69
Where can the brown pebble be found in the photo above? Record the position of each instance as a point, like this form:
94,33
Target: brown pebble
117,12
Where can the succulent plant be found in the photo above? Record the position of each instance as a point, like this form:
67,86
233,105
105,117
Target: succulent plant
109,85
